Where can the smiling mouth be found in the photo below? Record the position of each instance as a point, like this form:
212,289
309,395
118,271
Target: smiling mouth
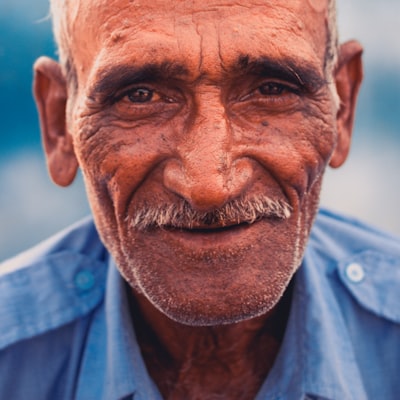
204,229
232,216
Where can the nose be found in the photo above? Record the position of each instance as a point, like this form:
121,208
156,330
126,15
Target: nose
207,171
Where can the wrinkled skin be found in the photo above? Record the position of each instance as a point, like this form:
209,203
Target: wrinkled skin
206,102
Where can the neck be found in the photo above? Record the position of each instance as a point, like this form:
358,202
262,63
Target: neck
199,362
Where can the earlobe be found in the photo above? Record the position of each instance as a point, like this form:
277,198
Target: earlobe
51,99
348,77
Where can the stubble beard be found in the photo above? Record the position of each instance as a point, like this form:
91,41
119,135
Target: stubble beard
221,298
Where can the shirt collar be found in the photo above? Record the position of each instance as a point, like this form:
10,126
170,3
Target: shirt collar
316,359
112,365
126,372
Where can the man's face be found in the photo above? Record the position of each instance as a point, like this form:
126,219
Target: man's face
184,109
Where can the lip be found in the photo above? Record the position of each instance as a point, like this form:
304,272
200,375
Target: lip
208,238
211,228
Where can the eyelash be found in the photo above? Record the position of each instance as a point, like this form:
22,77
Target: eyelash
154,96
272,91
141,92
280,87
143,101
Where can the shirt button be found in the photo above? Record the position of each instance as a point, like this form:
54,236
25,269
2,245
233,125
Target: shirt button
84,280
355,272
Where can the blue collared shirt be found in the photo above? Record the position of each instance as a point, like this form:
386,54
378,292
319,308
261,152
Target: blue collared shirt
66,333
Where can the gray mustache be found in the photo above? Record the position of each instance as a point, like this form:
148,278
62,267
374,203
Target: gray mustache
182,215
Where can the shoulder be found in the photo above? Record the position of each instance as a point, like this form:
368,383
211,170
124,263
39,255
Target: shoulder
52,284
359,266
79,238
363,260
340,235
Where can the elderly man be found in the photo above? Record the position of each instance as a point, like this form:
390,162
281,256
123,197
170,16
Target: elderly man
202,129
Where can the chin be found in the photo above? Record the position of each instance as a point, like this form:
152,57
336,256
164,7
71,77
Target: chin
193,318
208,302
216,284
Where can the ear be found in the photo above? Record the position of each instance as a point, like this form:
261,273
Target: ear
348,76
50,93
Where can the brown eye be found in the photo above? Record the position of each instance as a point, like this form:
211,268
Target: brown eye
272,89
140,95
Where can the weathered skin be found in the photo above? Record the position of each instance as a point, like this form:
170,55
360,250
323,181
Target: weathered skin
213,131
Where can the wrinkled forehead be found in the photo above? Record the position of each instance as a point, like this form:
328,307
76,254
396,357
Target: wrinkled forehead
177,7
103,29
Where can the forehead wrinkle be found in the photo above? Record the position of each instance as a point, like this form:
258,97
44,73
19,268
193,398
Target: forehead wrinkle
221,55
278,31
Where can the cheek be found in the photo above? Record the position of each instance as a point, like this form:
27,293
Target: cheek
295,149
115,162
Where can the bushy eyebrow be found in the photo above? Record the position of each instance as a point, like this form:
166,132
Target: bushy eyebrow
117,77
299,73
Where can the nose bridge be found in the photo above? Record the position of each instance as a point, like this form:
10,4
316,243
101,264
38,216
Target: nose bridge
205,171
208,139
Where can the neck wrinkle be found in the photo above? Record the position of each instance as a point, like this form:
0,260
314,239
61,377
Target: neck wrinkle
178,355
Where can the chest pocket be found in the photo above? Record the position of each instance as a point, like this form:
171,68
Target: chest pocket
373,279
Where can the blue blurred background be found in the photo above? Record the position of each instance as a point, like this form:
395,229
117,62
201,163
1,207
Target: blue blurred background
32,208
